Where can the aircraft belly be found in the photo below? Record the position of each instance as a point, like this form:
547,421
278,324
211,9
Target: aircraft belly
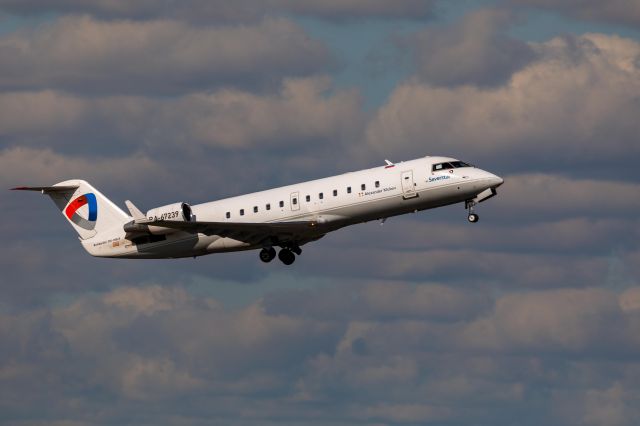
181,245
226,244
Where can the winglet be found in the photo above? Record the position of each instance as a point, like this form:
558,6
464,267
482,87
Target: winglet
389,164
135,212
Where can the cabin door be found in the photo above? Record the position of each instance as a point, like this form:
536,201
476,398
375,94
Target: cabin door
408,187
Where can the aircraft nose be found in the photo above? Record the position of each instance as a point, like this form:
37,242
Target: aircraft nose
493,181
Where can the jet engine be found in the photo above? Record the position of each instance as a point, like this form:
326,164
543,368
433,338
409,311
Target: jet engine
177,212
180,212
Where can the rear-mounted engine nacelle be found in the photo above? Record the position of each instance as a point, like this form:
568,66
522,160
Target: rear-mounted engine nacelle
177,212
180,212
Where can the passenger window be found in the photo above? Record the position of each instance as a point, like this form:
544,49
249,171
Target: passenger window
348,190
268,206
228,215
320,195
295,201
377,184
255,209
363,187
335,192
281,204
241,212
308,198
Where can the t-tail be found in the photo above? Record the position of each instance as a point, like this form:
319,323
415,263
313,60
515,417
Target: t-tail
88,211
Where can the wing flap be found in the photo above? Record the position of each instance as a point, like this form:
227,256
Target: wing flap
246,231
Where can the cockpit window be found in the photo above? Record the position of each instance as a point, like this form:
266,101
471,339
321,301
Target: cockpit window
449,165
441,166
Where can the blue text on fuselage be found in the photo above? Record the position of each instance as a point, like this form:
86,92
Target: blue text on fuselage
437,178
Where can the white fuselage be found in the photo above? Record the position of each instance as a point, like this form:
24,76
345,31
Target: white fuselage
332,202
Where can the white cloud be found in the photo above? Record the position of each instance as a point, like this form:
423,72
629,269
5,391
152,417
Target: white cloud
577,104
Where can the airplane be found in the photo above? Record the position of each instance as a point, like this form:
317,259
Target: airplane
286,217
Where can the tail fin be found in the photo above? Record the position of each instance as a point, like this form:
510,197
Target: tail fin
85,208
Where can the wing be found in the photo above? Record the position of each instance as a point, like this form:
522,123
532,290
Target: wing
249,232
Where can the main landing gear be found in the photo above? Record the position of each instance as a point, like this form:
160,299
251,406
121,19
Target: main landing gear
473,217
267,254
287,255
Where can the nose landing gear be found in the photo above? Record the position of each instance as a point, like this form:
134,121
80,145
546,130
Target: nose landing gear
473,217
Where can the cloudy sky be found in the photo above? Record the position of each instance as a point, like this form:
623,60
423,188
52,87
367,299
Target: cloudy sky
530,317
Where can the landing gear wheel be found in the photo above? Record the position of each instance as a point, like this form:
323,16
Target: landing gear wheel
267,254
469,204
286,256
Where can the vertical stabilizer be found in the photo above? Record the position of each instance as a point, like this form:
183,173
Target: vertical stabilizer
85,208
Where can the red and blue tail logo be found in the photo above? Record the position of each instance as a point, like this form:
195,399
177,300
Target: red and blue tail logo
72,211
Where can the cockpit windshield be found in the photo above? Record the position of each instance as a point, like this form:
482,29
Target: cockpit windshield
449,165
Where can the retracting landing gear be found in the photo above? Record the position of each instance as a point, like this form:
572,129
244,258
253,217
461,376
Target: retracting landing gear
473,217
267,254
286,256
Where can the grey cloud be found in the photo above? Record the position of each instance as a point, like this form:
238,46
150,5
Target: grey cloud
500,231
43,165
465,266
231,354
557,320
601,406
564,323
575,108
150,346
614,11
304,111
474,51
544,196
379,300
79,53
204,11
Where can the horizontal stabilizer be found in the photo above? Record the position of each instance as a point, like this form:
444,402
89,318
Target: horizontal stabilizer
47,189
